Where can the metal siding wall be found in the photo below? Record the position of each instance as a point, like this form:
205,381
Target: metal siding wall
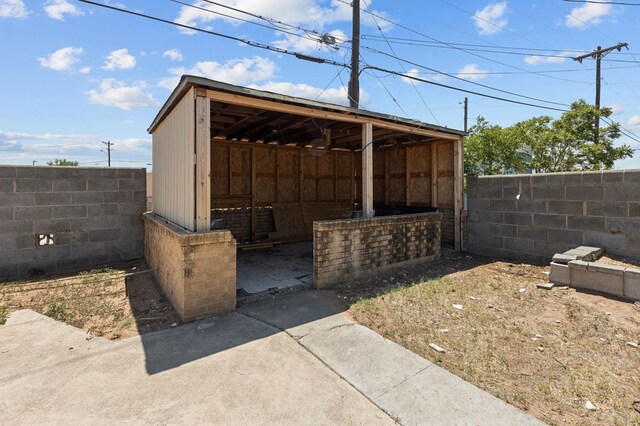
173,168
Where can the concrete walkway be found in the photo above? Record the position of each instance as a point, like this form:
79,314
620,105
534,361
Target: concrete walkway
294,360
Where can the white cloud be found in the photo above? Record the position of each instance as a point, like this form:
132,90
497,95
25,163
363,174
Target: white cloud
634,122
411,73
120,60
62,59
84,70
616,109
557,58
173,54
13,9
472,72
116,93
307,44
14,141
56,9
297,12
332,95
236,71
491,19
587,15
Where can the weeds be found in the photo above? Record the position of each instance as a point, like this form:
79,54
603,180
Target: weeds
4,311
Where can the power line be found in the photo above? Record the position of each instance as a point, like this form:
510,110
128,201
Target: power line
402,66
513,101
468,81
229,37
456,47
603,2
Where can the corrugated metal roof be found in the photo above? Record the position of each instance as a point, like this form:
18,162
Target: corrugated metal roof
188,81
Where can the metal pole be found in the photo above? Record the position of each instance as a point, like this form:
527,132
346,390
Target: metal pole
354,82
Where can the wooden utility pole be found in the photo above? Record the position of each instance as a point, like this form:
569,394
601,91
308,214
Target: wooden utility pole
354,80
466,113
598,54
109,144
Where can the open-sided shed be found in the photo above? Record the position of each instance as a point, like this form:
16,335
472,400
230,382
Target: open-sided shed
267,167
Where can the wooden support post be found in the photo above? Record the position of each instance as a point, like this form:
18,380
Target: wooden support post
367,170
253,195
407,176
387,189
203,165
434,175
458,183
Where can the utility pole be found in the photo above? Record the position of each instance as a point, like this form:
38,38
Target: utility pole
466,112
109,144
598,54
354,80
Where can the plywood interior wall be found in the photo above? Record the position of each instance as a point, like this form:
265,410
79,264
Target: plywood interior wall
282,174
403,175
256,175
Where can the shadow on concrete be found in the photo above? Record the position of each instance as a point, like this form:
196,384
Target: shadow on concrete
165,350
296,313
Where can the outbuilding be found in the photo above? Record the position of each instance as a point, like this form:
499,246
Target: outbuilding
238,168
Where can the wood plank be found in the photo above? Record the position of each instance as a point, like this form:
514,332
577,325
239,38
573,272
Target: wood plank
253,195
458,188
305,111
434,175
203,167
367,170
407,176
288,220
312,212
386,177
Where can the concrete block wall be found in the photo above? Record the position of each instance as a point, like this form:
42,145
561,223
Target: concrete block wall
532,217
238,221
344,249
197,271
94,214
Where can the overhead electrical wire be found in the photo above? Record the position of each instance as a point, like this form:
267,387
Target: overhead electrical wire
271,27
456,47
229,37
462,90
621,3
402,66
475,83
316,59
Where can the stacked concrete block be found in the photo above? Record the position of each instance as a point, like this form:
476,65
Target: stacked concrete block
93,215
197,271
532,217
345,249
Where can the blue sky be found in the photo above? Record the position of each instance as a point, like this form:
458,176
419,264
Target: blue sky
74,75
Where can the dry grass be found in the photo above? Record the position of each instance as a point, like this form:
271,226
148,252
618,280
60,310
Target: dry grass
581,355
94,301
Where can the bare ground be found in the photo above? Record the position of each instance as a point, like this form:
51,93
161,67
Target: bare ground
546,352
96,300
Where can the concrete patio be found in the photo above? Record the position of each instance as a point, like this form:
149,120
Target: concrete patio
290,360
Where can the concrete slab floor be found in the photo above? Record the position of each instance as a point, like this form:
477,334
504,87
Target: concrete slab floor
281,266
289,360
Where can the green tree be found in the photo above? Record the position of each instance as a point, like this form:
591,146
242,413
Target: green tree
62,162
544,145
490,150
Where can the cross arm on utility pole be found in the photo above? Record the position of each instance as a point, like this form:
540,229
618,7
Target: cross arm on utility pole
599,52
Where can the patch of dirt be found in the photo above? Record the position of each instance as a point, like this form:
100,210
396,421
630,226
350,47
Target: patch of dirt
116,302
547,352
619,261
